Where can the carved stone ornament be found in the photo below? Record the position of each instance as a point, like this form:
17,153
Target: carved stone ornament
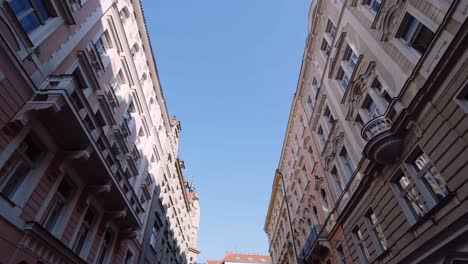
333,148
358,89
388,17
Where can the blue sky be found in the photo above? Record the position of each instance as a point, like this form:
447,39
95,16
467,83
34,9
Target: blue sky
229,69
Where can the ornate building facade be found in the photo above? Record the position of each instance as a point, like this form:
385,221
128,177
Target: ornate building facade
88,153
382,94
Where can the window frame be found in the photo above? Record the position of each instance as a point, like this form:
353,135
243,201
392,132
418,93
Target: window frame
22,159
51,206
425,194
376,232
359,242
410,28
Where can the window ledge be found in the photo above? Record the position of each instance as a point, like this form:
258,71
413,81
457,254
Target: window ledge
43,32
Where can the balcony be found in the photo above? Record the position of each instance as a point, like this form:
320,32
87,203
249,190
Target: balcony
311,246
383,146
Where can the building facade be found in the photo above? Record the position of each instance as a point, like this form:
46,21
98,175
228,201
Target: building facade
235,258
87,149
383,92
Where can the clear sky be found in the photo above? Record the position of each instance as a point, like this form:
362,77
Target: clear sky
229,69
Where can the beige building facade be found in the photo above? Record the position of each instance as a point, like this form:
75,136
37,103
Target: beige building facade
384,88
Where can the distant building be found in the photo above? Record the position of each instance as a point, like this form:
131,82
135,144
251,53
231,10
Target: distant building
234,258
374,165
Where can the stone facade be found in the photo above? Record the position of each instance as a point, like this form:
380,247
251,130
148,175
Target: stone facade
383,89
87,148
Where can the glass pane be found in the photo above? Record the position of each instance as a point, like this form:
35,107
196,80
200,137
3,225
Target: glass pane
16,177
20,6
376,5
436,183
412,196
42,9
411,26
30,22
54,214
423,39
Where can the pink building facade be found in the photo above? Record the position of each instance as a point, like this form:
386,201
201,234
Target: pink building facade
85,135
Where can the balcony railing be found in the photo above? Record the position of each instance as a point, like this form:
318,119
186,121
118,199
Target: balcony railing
383,146
375,127
314,235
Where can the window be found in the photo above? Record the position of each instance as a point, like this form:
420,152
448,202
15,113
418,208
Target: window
328,117
340,255
296,145
128,257
154,233
134,50
336,179
419,187
331,29
429,175
411,195
304,175
31,14
372,110
358,239
415,34
311,157
321,136
103,44
310,105
377,232
105,246
359,121
19,165
84,230
119,80
343,79
57,204
325,203
316,216
302,125
378,87
350,57
124,14
325,48
348,164
315,86
374,5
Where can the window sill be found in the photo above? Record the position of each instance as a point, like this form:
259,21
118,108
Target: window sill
412,54
43,32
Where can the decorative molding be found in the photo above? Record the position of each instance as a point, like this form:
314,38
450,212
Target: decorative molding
387,17
357,89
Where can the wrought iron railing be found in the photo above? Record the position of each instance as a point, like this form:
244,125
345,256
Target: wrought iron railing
315,233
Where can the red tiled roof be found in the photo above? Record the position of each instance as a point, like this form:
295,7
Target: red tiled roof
243,258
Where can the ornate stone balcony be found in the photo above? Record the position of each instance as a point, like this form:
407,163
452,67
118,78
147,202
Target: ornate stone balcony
382,145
